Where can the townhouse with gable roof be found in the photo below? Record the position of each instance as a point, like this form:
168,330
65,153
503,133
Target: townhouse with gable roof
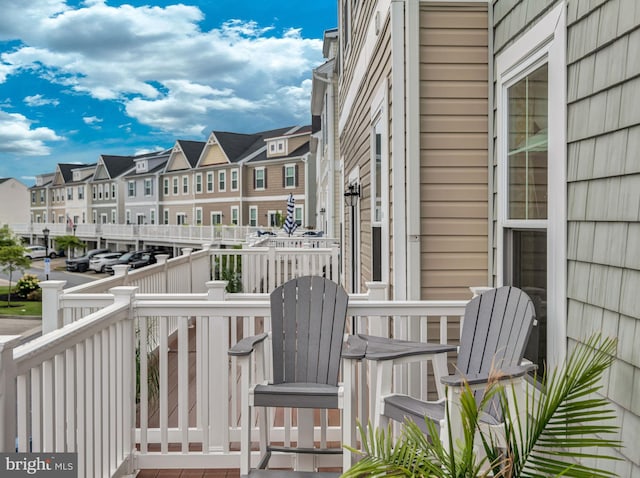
108,189
142,186
78,199
61,191
40,197
177,195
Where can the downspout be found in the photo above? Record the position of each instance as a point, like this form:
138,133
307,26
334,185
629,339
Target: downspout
331,207
412,67
398,148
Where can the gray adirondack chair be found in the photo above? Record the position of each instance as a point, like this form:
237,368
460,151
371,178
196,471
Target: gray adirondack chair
308,316
497,325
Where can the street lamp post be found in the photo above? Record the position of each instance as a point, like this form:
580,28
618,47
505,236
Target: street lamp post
351,196
45,232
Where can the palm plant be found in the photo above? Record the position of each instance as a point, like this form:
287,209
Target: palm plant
566,422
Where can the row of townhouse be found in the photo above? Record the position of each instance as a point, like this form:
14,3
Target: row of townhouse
488,143
231,179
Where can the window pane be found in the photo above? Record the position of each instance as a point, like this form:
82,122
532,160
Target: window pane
528,115
378,174
529,273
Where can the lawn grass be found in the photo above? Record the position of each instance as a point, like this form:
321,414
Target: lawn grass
25,307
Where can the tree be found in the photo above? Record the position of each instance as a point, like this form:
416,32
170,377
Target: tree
12,258
69,242
570,421
7,238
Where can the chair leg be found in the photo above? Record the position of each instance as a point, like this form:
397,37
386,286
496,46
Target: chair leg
264,430
305,462
245,417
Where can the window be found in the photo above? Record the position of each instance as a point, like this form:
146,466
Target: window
280,146
131,189
297,215
80,192
152,216
259,178
253,216
128,217
272,147
181,218
289,179
100,191
148,187
234,179
113,217
113,190
140,219
94,217
165,187
33,197
165,216
210,182
185,184
175,186
198,183
235,214
69,194
42,196
531,159
216,218
106,191
379,186
222,181
198,216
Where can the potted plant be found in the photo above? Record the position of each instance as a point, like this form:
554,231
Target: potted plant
566,421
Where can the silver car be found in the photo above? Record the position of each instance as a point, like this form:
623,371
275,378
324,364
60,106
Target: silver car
37,252
98,262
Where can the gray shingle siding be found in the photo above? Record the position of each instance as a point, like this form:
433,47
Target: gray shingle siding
603,187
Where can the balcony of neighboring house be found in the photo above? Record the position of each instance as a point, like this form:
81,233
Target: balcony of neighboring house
170,326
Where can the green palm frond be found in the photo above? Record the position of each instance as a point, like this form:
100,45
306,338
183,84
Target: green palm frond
566,422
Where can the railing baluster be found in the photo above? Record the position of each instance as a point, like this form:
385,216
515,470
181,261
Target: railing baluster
23,414
183,382
59,420
143,381
164,387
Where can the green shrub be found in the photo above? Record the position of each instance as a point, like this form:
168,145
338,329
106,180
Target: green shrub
35,295
26,284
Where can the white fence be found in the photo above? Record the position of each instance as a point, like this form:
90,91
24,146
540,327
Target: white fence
76,385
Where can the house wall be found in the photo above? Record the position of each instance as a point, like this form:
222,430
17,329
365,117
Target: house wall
603,189
453,148
15,199
356,92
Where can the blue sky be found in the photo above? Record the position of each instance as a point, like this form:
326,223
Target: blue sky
84,78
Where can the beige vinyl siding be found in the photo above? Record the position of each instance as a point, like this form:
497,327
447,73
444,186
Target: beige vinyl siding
214,155
178,162
295,142
454,149
355,142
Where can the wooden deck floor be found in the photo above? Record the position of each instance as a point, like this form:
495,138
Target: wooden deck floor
154,418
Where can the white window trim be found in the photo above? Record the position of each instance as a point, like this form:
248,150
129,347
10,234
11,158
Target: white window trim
131,189
183,184
290,165
166,186
144,185
165,216
195,188
224,175
216,213
264,175
253,208
544,42
175,186
236,210
212,183
152,216
237,173
198,217
113,217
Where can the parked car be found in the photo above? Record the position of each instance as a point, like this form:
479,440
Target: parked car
134,259
38,252
98,262
81,264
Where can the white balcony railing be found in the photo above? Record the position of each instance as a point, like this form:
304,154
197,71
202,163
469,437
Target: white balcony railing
76,386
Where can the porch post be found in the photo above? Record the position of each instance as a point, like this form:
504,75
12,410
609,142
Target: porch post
51,316
217,392
186,251
8,396
162,259
272,283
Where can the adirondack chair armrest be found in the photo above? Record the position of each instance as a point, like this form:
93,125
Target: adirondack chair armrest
246,345
381,348
507,373
354,348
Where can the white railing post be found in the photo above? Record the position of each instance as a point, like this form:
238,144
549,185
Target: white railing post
120,270
186,251
162,260
217,392
271,264
8,393
334,267
126,295
378,326
51,312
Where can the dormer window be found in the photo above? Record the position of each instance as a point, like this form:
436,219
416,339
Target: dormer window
76,176
272,147
141,166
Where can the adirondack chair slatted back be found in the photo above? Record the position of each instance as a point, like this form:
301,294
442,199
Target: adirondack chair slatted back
497,325
308,316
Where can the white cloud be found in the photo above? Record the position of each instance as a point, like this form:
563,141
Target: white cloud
19,138
39,100
91,120
157,62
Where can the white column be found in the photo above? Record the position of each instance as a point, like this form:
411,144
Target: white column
8,397
51,312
